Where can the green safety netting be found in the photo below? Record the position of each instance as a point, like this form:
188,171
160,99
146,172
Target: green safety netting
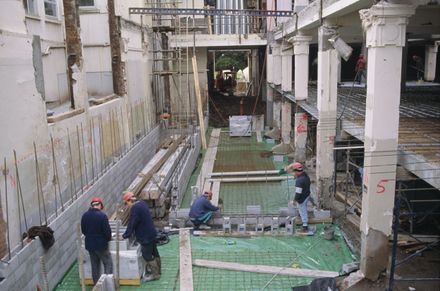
308,252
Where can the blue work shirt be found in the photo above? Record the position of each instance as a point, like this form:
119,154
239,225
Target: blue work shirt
302,187
141,224
201,206
96,228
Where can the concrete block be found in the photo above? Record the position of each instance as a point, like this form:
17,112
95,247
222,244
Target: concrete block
350,267
320,213
182,212
278,158
288,211
253,209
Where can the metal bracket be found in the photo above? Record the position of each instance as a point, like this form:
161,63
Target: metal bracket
211,12
227,224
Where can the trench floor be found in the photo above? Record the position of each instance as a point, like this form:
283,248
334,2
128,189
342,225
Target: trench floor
238,154
311,252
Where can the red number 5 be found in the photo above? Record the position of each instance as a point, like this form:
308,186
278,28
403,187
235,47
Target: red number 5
381,186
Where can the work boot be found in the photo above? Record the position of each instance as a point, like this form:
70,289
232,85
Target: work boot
160,265
154,266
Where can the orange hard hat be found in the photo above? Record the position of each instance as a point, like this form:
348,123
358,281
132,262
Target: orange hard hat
127,196
296,167
96,201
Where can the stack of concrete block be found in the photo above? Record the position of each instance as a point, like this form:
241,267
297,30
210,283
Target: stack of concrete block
131,264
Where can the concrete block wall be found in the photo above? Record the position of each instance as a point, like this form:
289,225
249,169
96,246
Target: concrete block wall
23,271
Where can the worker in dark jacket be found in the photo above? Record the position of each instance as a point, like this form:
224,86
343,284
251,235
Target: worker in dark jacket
202,210
96,228
141,225
302,191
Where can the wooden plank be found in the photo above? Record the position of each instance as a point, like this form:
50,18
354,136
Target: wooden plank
259,138
215,193
264,269
64,115
251,179
185,270
152,167
199,101
128,282
208,161
245,173
153,189
102,100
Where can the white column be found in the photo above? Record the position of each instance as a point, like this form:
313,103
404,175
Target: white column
277,113
254,73
286,121
276,60
328,59
385,26
276,80
269,90
301,51
431,61
286,127
286,69
269,65
300,136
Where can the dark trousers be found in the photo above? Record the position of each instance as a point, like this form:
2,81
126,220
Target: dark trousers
96,257
359,75
149,251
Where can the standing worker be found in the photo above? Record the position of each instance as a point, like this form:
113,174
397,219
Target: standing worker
418,66
141,225
96,228
361,65
202,210
302,191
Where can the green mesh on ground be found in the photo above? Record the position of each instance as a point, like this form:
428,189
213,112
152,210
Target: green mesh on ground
304,252
170,267
269,195
239,154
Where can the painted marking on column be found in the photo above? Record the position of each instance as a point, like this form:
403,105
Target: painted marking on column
381,186
301,128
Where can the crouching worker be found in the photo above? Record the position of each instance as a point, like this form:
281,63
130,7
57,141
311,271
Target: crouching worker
141,225
202,210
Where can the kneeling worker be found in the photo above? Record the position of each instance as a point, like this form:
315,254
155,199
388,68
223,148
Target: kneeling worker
202,210
141,224
302,191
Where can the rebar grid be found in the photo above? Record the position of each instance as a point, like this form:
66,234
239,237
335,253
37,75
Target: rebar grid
269,195
241,154
298,252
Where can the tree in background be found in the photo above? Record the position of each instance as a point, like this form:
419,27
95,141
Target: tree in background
230,60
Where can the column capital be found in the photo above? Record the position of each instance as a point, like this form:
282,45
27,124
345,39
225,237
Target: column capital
385,24
287,50
276,49
301,44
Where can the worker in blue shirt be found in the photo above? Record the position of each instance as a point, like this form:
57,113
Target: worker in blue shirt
202,210
97,232
141,225
302,191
